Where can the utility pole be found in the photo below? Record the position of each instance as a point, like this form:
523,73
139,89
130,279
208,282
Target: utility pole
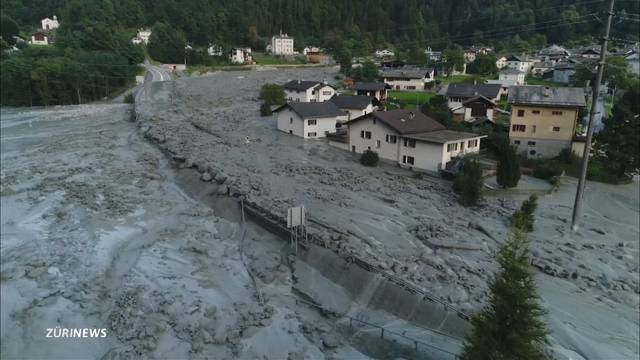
577,206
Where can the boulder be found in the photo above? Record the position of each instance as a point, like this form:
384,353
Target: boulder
223,190
205,177
330,341
221,178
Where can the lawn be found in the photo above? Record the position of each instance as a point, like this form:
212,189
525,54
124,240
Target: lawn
597,170
409,99
462,79
276,60
535,81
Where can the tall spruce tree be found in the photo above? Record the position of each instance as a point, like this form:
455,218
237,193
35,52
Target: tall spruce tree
511,325
508,174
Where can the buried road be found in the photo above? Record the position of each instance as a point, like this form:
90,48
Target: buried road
410,227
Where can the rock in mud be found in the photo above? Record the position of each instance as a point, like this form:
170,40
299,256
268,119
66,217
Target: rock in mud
330,341
205,177
221,178
223,190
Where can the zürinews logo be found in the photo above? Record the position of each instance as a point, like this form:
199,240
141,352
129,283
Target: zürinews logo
60,332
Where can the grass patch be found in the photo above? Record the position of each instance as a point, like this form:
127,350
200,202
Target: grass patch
276,60
462,79
409,99
536,81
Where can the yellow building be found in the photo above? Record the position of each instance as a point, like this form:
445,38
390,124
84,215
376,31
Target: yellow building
544,119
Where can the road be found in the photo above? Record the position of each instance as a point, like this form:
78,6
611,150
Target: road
156,73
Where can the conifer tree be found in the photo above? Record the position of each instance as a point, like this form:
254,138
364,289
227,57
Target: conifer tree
508,174
511,325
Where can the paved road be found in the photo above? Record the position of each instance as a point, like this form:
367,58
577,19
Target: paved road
156,73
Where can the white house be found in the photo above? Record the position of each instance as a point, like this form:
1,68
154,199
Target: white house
39,38
410,139
410,79
475,108
282,44
308,91
385,53
240,56
501,62
214,50
354,105
50,24
311,49
456,94
540,68
519,63
563,73
510,74
309,120
433,55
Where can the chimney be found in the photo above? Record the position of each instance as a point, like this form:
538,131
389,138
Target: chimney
324,81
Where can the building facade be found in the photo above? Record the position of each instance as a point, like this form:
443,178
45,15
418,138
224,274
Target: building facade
543,119
408,79
309,120
240,56
50,24
282,44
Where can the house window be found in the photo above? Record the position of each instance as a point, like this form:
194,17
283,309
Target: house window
326,93
520,113
518,128
536,112
378,143
290,120
362,134
408,160
452,147
558,113
353,148
313,100
472,143
531,143
392,139
533,129
409,143
374,121
312,122
410,87
556,129
516,142
311,134
367,134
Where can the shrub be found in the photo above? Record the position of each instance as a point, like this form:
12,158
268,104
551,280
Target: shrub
129,98
546,170
468,184
272,94
523,218
369,158
265,109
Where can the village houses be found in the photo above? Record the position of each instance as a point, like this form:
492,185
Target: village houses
282,44
544,119
50,24
456,94
309,120
214,50
375,89
142,37
411,140
501,62
408,78
386,53
355,105
39,38
308,91
519,63
512,76
240,56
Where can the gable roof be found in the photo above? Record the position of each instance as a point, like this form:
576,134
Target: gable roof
444,136
546,96
515,58
313,109
479,98
352,101
406,73
301,85
404,121
490,91
370,86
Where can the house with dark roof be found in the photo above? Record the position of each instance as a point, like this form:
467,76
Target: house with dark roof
410,139
309,120
376,89
544,119
521,63
308,91
474,109
356,105
456,94
512,75
408,78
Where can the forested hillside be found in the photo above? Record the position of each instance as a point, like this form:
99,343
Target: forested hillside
91,28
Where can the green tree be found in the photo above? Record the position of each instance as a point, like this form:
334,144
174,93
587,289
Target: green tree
483,65
454,59
272,94
167,44
620,138
508,174
369,158
8,29
368,72
468,184
523,219
511,325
